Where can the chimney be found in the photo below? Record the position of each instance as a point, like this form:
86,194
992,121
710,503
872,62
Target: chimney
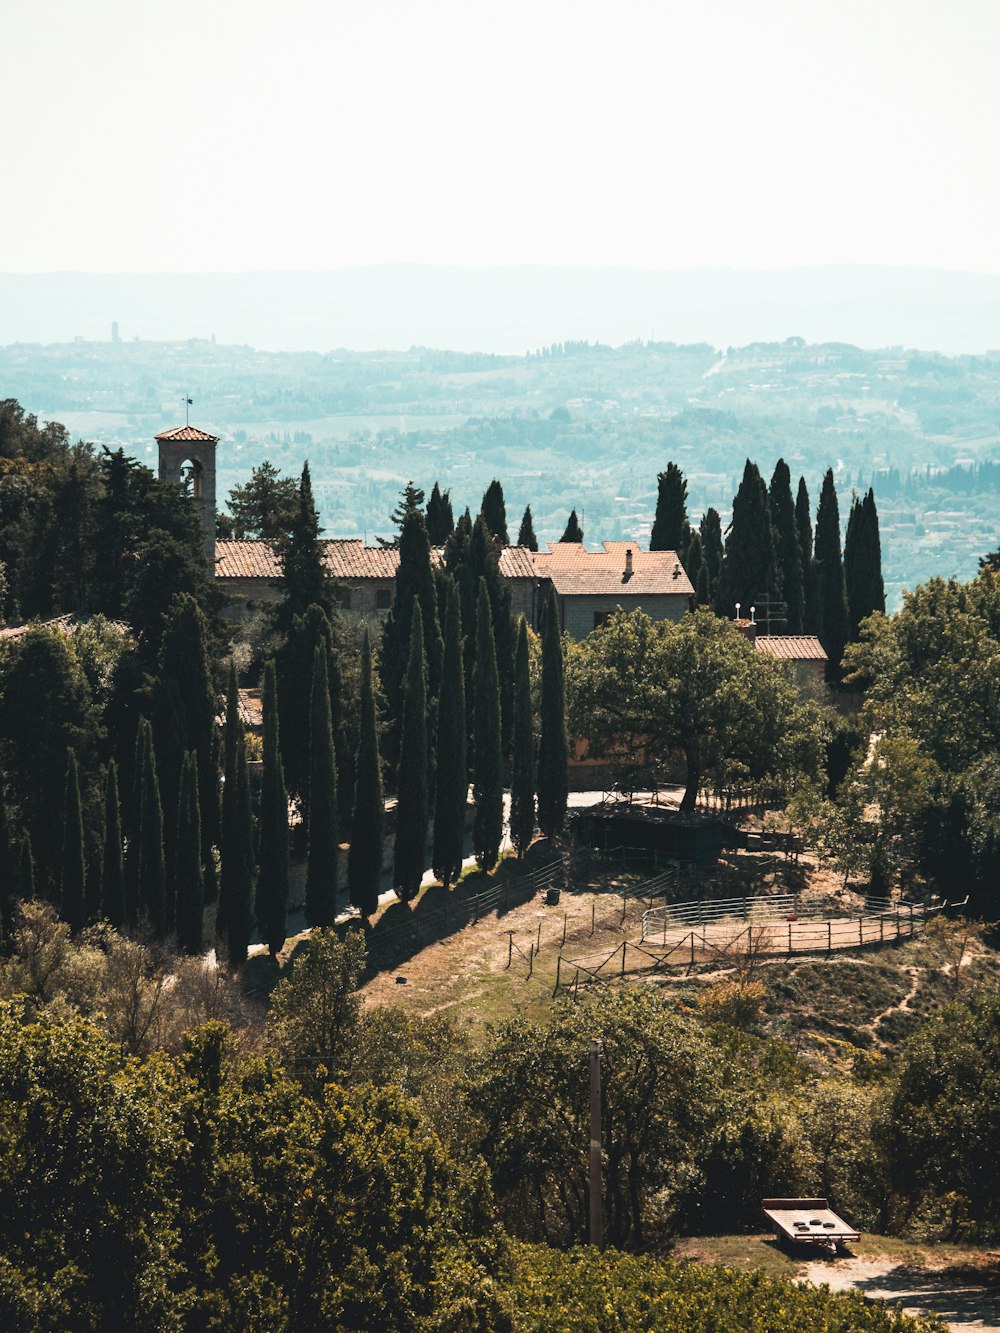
628,563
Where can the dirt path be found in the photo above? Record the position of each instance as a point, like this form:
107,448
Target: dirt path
964,1297
901,1007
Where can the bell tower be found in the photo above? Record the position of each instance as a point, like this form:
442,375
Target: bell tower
187,458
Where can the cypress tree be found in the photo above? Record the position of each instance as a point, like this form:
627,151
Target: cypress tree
553,744
8,878
364,860
188,877
787,551
670,526
522,785
863,563
710,529
452,787
133,845
26,871
833,595
321,863
74,869
294,672
272,855
487,769
694,563
303,572
470,561
440,519
812,614
573,533
526,533
112,863
748,570
234,915
412,803
152,877
494,512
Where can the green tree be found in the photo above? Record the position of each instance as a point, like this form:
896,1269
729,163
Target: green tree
830,572
74,873
573,532
812,613
494,512
303,574
26,871
112,862
234,917
294,664
266,506
670,524
553,744
713,553
314,1013
412,803
526,532
323,848
272,853
440,519
364,861
748,570
863,563
8,877
189,882
151,880
522,786
452,787
787,551
487,768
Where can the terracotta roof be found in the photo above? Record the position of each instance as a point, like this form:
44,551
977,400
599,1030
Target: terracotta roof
792,647
189,434
346,558
576,571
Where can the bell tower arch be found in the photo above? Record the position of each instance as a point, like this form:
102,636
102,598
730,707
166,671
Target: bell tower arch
187,458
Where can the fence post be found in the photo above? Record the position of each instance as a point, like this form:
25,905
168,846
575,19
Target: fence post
692,948
789,937
565,915
538,948
829,937
531,958
624,947
593,914
881,928
510,948
861,930
555,989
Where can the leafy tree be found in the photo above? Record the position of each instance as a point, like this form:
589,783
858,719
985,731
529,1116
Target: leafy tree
787,551
830,573
234,917
440,519
452,787
321,864
151,880
487,769
670,524
573,533
272,853
553,744
112,863
412,803
526,532
364,861
266,506
314,1013
166,566
494,512
522,786
303,574
73,878
748,570
188,874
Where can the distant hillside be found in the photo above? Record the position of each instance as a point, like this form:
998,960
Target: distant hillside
511,309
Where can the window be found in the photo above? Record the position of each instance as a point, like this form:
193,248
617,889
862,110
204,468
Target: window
383,599
601,616
344,599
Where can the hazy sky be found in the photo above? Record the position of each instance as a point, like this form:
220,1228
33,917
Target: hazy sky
252,134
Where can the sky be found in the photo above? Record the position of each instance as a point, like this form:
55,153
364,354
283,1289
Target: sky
241,135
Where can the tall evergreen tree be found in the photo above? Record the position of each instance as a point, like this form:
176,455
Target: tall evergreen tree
526,533
787,551
710,529
494,512
573,533
812,614
112,862
294,671
133,844
670,525
487,768
303,572
452,787
440,519
553,744
272,854
412,802
748,570
8,878
469,561
189,910
694,564
152,877
321,863
863,562
364,860
234,917
26,871
522,784
833,594
74,866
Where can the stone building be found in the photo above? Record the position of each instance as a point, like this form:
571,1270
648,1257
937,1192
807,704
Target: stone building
591,585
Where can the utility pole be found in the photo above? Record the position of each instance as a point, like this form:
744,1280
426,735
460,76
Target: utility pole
596,1183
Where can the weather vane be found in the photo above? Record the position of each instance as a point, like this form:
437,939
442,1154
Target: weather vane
187,407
